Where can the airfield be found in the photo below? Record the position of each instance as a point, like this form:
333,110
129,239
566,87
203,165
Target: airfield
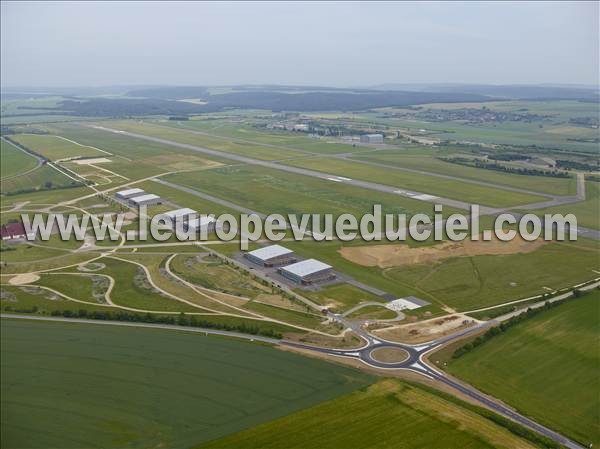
226,163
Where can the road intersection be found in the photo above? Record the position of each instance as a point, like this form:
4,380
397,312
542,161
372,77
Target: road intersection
414,362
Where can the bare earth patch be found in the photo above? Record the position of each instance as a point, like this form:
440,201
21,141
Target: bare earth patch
98,160
425,330
396,255
22,279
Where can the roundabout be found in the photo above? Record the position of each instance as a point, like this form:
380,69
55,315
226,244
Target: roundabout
389,355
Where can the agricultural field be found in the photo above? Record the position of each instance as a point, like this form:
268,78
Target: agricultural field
546,367
552,131
56,147
197,285
14,162
364,419
182,388
44,178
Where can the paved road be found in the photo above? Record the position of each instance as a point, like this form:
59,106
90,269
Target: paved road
198,330
349,157
414,362
302,171
484,210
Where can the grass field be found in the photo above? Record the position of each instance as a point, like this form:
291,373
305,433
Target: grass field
427,184
388,414
269,191
546,367
177,135
13,161
467,283
47,197
131,289
44,178
54,147
587,212
63,386
548,133
341,297
88,288
134,158
426,160
26,300
279,138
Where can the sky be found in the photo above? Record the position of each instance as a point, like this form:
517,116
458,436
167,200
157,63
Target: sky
326,44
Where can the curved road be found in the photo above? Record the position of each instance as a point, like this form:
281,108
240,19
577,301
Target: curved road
414,362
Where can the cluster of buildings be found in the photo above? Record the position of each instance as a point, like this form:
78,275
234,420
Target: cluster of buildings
301,272
298,127
190,218
14,231
137,197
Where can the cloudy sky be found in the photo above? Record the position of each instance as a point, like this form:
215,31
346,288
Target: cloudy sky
341,44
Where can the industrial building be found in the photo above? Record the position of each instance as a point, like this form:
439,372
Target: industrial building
202,224
130,193
146,200
175,214
371,138
308,271
15,231
271,256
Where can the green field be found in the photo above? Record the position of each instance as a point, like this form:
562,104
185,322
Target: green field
546,367
587,212
54,147
63,386
467,283
46,197
214,143
78,286
13,161
134,158
388,414
44,178
281,139
553,132
427,160
269,191
341,297
457,190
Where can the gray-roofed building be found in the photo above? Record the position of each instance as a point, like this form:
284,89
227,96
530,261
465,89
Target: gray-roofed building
271,256
129,193
308,271
146,200
371,138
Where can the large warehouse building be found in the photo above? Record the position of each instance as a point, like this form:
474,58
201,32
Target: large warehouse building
202,224
371,138
308,271
146,200
129,193
180,214
271,256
